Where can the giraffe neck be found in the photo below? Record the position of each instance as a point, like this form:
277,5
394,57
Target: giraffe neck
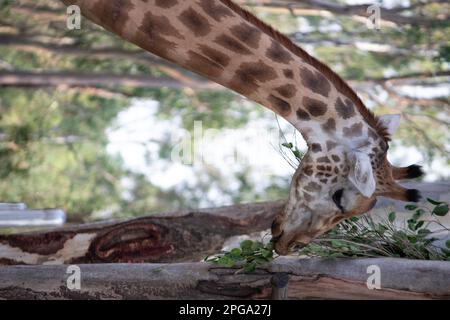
227,45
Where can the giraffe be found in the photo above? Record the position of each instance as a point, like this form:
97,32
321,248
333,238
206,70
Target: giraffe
345,168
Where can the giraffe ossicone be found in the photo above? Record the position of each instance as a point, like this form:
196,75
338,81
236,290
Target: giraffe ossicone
345,168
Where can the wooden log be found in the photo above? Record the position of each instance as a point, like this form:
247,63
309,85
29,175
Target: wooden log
171,237
177,236
308,278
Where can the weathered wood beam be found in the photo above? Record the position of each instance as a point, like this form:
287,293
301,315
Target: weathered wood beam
177,236
308,278
169,237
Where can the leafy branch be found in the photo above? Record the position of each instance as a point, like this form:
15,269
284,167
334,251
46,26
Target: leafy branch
358,237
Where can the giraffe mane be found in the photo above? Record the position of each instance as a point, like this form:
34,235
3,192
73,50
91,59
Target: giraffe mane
337,81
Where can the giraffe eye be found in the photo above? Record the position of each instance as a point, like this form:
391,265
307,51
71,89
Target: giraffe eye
337,198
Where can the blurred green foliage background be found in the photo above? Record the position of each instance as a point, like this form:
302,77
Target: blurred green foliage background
53,139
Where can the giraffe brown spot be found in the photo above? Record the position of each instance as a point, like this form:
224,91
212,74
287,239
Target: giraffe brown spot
334,180
195,22
315,81
166,3
316,147
330,125
373,134
336,170
345,110
231,44
331,145
215,10
248,74
204,65
314,107
215,56
313,187
288,73
335,158
287,90
324,181
247,34
323,159
114,13
282,106
308,170
278,53
152,32
328,168
354,131
302,114
307,197
321,167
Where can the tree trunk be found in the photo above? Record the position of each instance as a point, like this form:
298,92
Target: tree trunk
177,236
360,10
306,278
33,44
72,79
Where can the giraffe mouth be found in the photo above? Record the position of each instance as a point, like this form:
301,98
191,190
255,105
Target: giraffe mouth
285,244
298,245
276,238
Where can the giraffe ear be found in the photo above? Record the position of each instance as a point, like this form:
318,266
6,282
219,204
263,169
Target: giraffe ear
391,122
361,174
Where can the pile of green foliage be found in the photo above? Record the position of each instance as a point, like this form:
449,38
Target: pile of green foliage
359,237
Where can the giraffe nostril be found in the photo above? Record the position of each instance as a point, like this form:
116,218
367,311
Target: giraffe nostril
276,238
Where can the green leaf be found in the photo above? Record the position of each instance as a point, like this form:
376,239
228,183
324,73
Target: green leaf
246,245
336,243
287,145
418,214
423,232
410,207
249,267
411,224
297,153
235,253
447,243
391,216
419,224
441,210
446,252
226,261
256,245
266,253
435,202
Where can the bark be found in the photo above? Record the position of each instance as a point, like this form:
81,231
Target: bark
176,236
169,237
405,78
39,12
300,278
76,79
33,44
361,10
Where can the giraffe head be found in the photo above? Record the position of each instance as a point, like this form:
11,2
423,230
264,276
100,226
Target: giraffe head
335,182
